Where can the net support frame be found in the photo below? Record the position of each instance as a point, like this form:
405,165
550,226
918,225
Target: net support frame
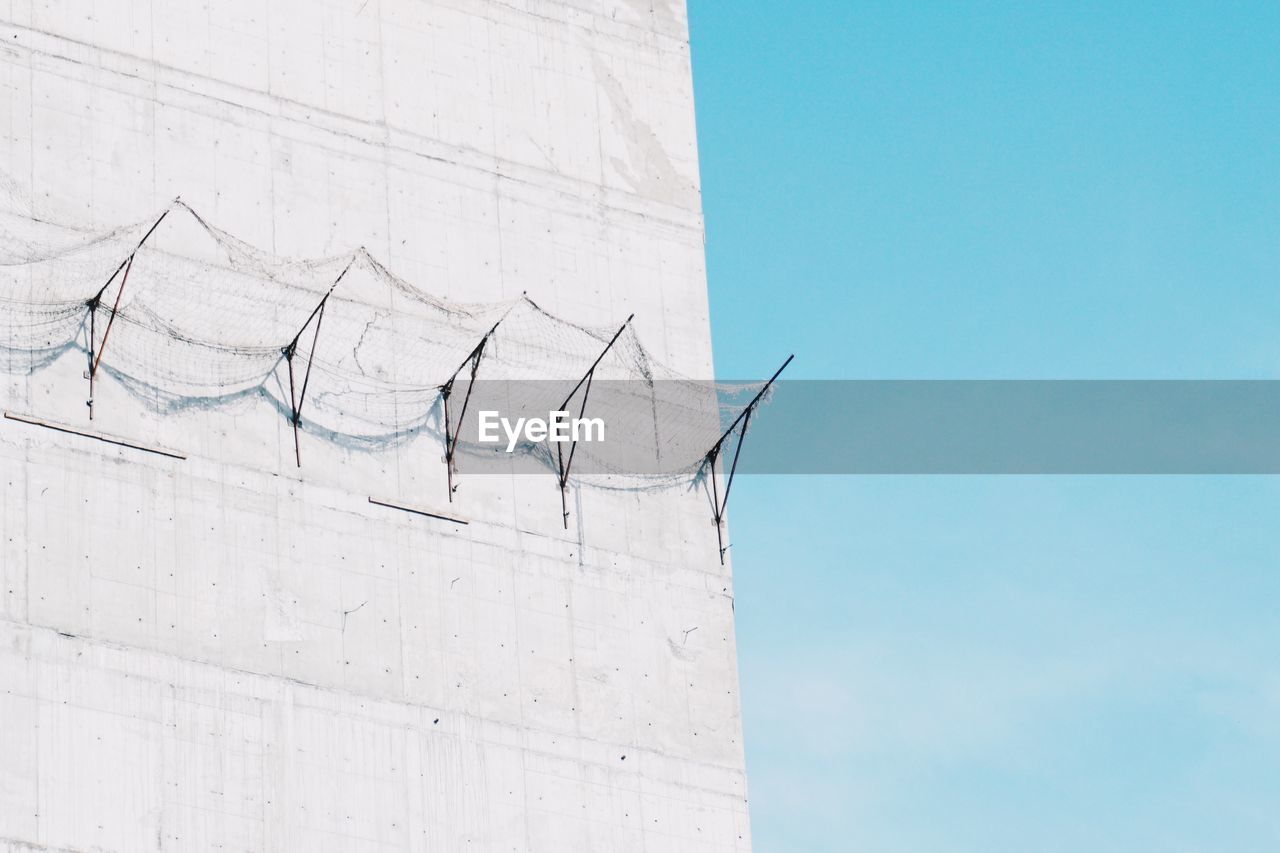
92,304
451,436
563,466
291,349
720,503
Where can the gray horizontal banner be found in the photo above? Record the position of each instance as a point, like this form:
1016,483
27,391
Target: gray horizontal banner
665,428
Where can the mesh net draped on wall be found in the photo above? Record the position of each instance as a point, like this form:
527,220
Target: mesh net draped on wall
200,318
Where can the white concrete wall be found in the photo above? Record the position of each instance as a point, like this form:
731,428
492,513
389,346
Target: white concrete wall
227,652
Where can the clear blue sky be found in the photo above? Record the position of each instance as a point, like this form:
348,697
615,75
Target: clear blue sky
986,190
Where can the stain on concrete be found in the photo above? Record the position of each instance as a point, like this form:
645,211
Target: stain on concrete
647,169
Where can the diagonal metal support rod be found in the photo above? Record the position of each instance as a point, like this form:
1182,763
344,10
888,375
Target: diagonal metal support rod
95,351
744,418
563,465
291,349
451,435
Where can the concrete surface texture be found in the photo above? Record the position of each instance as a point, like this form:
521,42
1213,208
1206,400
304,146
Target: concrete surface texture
228,652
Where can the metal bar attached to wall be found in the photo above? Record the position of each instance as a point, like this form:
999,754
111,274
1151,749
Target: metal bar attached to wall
719,503
291,349
450,434
586,379
95,351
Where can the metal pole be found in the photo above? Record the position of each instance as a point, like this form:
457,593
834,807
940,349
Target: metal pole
311,356
291,349
297,451
115,309
450,437
573,448
733,469
587,377
95,351
718,503
715,503
448,446
93,314
752,404
599,358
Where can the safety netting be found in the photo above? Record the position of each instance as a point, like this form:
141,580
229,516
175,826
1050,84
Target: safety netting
183,314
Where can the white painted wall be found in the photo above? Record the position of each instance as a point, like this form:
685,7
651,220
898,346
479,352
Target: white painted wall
231,653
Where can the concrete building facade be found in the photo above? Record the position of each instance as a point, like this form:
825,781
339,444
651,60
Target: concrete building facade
228,652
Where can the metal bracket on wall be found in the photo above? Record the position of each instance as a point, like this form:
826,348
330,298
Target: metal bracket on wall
95,351
744,420
450,434
295,402
561,464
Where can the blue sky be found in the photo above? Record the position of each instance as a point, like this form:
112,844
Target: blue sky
1080,190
